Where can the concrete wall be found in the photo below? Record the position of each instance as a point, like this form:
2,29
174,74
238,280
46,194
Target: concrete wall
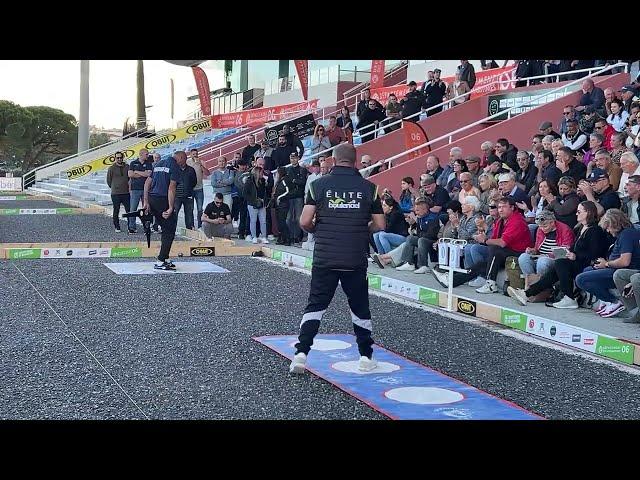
326,95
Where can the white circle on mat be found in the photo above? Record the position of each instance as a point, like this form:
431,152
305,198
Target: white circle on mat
325,345
352,367
423,395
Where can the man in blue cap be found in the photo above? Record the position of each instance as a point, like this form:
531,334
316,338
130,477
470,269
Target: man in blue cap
597,189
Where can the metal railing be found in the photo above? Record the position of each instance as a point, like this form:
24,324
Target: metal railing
404,64
491,117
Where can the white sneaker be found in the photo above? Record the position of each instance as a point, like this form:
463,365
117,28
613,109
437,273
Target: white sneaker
518,295
367,364
235,224
602,306
477,282
566,302
406,267
118,230
489,287
298,363
442,278
422,270
271,238
254,240
248,238
264,240
613,310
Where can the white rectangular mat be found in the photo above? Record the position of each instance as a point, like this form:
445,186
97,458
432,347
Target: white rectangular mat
146,268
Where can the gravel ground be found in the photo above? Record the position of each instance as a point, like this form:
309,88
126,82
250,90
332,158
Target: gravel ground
32,204
200,362
65,228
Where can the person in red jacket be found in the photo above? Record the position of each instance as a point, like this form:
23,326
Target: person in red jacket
550,235
603,128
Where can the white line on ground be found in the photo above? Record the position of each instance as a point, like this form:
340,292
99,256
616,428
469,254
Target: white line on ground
81,343
524,337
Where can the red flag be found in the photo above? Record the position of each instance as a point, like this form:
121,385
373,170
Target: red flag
302,67
415,135
377,73
203,90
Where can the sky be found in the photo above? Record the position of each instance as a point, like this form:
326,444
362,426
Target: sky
112,88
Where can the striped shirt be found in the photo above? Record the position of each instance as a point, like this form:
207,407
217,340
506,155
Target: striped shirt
548,244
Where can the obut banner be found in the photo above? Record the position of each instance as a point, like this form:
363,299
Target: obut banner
134,150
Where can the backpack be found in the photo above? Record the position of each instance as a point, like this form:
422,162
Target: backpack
515,276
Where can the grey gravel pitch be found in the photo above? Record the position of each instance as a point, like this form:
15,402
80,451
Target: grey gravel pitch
45,373
65,228
32,204
193,357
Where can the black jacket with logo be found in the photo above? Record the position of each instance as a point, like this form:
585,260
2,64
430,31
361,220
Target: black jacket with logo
297,177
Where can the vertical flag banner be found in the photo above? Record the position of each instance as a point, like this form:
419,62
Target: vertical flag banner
203,90
302,67
377,73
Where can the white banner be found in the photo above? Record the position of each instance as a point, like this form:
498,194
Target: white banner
10,184
75,253
398,287
560,332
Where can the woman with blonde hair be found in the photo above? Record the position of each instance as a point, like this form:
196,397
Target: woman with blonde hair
320,141
255,194
488,187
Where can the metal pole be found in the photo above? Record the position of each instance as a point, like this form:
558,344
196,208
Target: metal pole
83,120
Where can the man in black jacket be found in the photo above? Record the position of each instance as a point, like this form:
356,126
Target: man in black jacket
293,140
412,103
363,104
250,149
297,179
184,191
434,90
507,153
467,73
369,121
282,152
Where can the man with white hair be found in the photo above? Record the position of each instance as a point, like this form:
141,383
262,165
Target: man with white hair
591,95
630,166
507,187
433,166
487,148
454,154
365,162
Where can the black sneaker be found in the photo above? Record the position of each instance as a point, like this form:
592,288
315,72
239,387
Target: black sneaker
168,266
170,263
132,232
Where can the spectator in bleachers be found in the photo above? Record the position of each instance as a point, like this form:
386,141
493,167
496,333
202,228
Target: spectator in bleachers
546,128
547,193
488,151
334,132
568,113
282,153
603,128
591,96
598,279
618,115
297,180
604,162
527,172
467,73
507,153
495,167
118,182
633,127
507,187
488,64
550,234
344,121
222,179
456,91
412,103
536,140
256,196
407,195
423,233
630,165
293,140
488,185
266,153
618,146
454,154
434,90
198,191
396,229
216,218
626,278
438,195
590,244
565,205
609,94
365,162
628,93
467,222
453,186
546,142
569,166
184,190
587,120
473,167
510,237
369,120
525,69
631,203
139,170
547,169
467,188
319,142
433,166
394,113
364,104
449,229
596,142
574,138
556,145
251,148
281,204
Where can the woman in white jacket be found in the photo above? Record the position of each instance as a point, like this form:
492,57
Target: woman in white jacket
618,115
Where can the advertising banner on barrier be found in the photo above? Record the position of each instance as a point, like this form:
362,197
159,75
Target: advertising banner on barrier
502,101
38,211
259,116
560,332
76,253
10,184
302,67
134,150
377,74
483,84
110,252
404,289
202,84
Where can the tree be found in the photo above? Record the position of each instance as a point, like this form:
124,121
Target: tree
32,135
97,139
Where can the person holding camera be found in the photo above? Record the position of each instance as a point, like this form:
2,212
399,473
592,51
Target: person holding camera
216,219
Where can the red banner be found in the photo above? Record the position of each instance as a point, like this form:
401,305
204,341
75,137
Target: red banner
415,135
483,84
203,90
302,67
377,73
259,116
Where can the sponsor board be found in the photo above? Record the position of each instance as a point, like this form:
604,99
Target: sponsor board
10,184
513,319
14,197
276,255
522,101
9,211
256,117
126,252
37,211
614,348
133,151
398,287
302,127
429,296
468,307
308,262
21,253
375,281
75,253
202,251
293,260
562,333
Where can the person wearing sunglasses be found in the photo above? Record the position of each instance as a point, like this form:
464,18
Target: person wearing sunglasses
216,219
118,182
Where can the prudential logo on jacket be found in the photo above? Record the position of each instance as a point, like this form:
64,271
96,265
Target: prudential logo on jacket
344,199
